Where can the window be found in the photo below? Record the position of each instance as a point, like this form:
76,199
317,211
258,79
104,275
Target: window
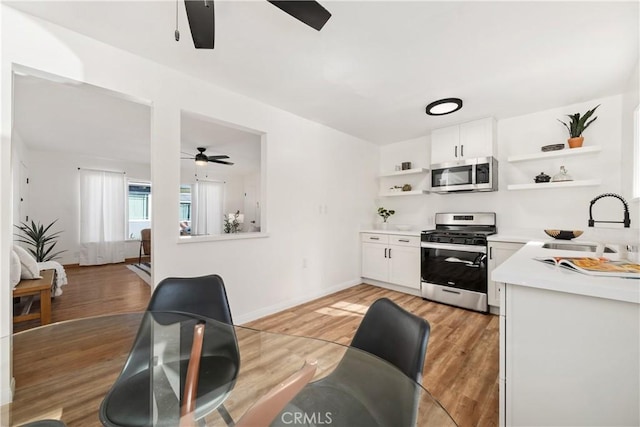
636,154
139,207
185,210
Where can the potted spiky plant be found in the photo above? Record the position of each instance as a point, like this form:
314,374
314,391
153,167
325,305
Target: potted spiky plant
39,239
577,125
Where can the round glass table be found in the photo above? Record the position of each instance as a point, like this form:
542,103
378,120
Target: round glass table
73,371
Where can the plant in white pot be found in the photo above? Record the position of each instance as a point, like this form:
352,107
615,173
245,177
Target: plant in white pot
577,125
385,214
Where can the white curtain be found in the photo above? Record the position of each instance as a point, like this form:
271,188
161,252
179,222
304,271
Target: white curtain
206,203
102,217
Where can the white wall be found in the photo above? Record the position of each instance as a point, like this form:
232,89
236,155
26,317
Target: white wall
54,190
319,183
630,101
531,209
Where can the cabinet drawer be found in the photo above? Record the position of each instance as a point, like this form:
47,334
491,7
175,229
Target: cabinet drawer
405,241
374,238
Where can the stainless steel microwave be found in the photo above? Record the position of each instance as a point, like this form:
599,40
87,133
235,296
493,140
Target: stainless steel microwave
478,174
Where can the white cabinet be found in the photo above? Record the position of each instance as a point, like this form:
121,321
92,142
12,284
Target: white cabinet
567,359
464,141
391,258
498,253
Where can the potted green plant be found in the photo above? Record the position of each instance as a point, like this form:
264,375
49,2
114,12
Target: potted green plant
39,239
577,124
385,214
232,225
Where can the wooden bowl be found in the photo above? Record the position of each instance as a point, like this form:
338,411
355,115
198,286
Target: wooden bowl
564,234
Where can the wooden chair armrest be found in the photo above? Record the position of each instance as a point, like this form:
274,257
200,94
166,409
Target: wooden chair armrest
188,407
265,409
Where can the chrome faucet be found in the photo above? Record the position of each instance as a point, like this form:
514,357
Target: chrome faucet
626,221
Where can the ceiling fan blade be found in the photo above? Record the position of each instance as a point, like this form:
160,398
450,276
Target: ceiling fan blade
221,156
222,162
186,158
307,11
202,22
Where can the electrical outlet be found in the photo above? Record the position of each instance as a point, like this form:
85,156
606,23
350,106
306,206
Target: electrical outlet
305,263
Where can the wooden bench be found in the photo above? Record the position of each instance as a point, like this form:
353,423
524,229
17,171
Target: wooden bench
30,288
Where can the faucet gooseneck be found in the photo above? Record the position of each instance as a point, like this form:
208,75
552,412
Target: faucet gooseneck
626,221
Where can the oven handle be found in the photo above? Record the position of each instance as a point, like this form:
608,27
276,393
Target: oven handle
461,248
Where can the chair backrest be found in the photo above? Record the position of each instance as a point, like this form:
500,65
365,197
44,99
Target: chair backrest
395,335
205,296
145,238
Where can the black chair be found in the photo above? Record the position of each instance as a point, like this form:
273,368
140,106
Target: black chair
129,401
395,335
357,394
45,423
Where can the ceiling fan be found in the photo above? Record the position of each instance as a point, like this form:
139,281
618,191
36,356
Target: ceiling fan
202,23
203,159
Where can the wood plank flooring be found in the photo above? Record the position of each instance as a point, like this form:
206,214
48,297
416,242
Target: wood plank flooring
94,291
461,369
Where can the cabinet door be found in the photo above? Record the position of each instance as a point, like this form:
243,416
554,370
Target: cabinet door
404,266
375,262
477,139
444,144
498,253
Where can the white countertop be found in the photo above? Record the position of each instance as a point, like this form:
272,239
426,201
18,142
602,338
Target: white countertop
523,270
394,232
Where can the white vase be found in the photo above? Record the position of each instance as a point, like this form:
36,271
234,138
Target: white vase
383,226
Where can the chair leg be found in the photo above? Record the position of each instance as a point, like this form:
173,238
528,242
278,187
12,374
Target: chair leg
226,416
140,254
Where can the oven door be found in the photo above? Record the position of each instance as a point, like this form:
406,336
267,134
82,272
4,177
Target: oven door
456,266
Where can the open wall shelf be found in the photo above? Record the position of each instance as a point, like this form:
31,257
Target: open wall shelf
405,172
567,152
402,193
561,184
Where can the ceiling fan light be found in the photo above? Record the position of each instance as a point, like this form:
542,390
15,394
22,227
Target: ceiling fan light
201,159
444,106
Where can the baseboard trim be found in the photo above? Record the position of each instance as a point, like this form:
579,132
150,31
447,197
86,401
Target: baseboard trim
126,261
272,309
397,288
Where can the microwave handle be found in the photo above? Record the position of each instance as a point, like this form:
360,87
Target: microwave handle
474,177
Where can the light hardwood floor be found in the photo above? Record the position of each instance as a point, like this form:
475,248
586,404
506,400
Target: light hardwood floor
461,368
93,291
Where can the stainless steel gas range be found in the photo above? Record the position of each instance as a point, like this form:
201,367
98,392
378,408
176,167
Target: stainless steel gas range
454,259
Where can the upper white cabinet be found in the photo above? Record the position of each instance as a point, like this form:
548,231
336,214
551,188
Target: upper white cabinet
464,141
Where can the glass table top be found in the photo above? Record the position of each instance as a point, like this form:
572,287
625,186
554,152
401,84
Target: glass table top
64,370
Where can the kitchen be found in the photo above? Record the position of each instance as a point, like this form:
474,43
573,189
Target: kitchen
520,209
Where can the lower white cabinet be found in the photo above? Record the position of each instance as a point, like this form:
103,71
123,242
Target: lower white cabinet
391,258
499,252
568,360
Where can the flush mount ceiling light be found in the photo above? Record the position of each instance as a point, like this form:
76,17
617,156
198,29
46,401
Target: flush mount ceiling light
444,106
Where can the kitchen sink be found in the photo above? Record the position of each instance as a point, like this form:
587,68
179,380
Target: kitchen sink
576,247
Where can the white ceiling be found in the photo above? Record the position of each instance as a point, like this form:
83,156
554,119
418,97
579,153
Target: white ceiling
376,64
86,120
80,118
